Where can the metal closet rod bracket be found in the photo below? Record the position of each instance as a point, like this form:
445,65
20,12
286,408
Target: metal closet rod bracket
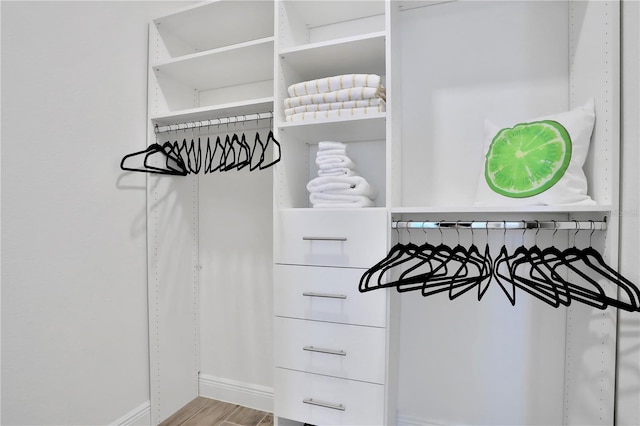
575,225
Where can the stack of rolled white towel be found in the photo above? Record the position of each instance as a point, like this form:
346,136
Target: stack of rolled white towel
334,97
338,184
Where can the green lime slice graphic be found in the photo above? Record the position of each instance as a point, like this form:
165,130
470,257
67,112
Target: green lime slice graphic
528,158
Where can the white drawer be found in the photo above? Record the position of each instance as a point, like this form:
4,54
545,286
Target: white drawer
322,400
339,350
331,238
326,294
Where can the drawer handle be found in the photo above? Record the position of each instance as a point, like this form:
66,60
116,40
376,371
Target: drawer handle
324,351
324,404
329,295
324,238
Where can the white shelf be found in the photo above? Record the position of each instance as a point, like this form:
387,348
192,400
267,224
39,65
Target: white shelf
604,209
413,4
357,54
288,209
325,12
228,66
218,111
220,23
345,130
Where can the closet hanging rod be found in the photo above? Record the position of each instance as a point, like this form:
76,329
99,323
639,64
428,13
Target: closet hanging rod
507,224
213,122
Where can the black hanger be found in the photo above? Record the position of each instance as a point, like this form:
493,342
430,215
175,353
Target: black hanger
228,158
245,151
537,276
253,162
538,271
156,159
193,156
235,141
590,262
214,158
426,256
277,157
504,275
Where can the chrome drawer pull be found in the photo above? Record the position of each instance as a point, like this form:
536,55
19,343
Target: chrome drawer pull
325,351
324,404
329,295
324,238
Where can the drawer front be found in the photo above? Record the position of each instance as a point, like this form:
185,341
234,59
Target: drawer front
326,294
322,400
339,350
331,238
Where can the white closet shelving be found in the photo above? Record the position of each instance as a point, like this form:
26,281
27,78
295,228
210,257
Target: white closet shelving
321,254
212,60
319,39
446,67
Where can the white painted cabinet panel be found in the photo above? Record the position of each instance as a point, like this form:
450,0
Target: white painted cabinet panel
326,294
323,400
338,350
348,238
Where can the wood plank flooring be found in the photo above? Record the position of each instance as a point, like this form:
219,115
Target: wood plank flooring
209,412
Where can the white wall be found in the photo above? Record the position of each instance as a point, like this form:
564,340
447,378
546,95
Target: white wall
74,305
628,382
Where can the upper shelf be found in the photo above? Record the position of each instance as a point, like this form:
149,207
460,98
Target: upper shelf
230,109
213,25
308,22
250,61
344,129
355,54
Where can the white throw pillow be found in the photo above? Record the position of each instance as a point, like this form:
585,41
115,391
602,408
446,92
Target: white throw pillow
562,143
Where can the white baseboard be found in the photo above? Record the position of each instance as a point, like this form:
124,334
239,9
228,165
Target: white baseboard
137,417
245,394
414,421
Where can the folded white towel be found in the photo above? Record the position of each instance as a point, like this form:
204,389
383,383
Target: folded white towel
335,114
330,84
328,152
361,103
332,167
334,161
323,145
347,185
354,93
339,201
339,171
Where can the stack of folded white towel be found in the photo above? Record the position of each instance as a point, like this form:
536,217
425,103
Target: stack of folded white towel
338,184
333,97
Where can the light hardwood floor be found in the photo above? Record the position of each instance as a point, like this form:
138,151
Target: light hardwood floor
209,412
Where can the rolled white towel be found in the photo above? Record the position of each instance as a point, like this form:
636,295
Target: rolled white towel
328,152
338,82
355,93
338,171
347,185
332,166
339,160
325,145
339,201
